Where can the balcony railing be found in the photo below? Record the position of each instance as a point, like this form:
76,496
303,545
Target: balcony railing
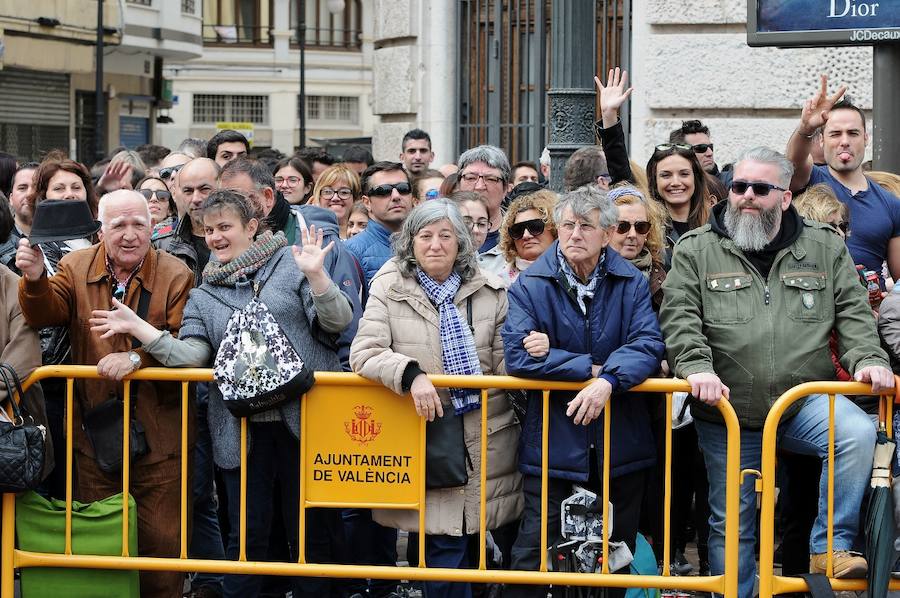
261,36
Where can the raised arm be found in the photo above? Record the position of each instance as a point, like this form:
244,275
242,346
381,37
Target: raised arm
814,114
609,129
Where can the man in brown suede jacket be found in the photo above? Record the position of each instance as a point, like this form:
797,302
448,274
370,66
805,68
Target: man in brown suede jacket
123,267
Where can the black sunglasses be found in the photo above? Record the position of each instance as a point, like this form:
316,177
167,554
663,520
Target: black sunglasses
119,292
161,195
701,148
165,173
535,227
760,188
387,189
665,147
641,227
844,227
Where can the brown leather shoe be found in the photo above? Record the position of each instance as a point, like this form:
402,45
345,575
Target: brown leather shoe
849,565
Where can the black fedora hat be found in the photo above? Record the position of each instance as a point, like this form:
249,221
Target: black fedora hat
62,220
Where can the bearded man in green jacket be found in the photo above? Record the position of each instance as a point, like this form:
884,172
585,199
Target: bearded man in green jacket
750,303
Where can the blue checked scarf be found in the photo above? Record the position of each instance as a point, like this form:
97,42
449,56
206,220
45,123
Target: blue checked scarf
457,343
581,289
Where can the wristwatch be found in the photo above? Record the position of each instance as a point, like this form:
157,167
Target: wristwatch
135,360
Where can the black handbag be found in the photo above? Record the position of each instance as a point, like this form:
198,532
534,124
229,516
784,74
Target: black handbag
22,441
103,423
446,456
103,427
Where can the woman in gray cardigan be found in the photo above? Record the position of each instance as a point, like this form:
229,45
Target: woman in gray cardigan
290,277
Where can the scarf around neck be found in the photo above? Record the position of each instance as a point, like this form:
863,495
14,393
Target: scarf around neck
246,264
643,262
457,343
582,290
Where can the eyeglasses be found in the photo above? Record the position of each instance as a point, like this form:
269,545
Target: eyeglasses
344,193
472,177
641,227
480,224
165,173
387,189
155,195
701,148
760,188
292,181
534,227
843,226
665,147
119,292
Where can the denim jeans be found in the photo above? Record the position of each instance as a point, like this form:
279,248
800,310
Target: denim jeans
805,433
206,538
448,552
275,456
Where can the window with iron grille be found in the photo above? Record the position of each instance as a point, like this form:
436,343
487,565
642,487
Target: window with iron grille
212,108
141,2
339,110
189,7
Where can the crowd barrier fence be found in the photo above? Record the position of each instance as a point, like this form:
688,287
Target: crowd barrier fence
344,412
769,583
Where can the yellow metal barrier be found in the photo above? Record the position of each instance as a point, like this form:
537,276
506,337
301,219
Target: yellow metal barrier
330,400
769,583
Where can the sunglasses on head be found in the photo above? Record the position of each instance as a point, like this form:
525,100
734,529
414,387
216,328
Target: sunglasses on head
165,173
700,148
641,227
844,227
387,189
760,188
160,195
534,227
665,147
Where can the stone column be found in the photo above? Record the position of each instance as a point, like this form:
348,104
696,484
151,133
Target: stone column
571,92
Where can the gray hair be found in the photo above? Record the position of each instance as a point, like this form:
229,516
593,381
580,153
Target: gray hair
114,196
766,155
193,147
583,201
426,213
491,155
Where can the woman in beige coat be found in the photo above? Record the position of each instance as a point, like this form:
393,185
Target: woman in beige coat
417,322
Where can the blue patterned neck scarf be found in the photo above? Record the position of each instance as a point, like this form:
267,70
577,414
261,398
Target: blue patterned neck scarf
582,290
457,343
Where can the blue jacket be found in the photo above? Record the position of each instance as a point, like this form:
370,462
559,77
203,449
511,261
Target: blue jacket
341,267
620,332
372,248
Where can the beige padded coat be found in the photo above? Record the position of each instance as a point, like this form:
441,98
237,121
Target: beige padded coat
401,325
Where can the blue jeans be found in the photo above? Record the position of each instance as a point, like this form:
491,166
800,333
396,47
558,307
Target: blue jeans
274,462
447,552
806,433
206,539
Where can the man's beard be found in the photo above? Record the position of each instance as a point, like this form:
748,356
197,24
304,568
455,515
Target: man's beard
751,232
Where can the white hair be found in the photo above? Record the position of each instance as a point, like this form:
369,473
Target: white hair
117,196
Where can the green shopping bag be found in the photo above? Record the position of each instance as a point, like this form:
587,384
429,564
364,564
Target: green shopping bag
96,530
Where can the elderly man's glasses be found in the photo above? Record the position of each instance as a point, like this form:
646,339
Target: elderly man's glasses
472,178
387,189
345,193
119,292
641,227
534,227
168,171
155,195
760,189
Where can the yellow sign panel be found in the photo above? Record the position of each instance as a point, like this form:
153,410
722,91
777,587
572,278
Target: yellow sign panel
362,447
244,128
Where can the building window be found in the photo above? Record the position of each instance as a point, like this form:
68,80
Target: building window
245,22
141,2
189,7
332,110
213,108
324,29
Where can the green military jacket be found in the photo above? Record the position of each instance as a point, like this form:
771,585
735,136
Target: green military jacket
763,336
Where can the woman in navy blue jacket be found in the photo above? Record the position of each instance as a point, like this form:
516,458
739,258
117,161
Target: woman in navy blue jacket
581,311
